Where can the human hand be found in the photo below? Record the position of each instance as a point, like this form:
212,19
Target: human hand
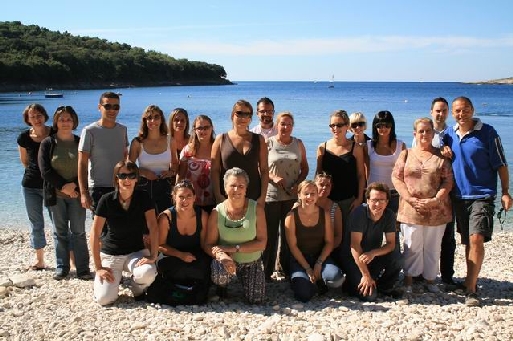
105,274
86,201
506,201
367,286
366,257
229,265
317,271
70,190
145,260
167,174
187,257
446,152
311,274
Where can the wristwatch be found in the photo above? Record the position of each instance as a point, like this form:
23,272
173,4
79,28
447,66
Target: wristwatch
237,248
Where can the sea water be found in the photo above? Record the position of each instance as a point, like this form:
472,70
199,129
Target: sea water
310,102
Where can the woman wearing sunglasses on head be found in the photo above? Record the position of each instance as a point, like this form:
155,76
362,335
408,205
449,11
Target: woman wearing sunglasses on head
236,237
58,157
196,162
155,154
182,232
310,238
241,148
343,159
128,212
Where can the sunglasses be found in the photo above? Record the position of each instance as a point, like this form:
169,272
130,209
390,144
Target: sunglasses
338,125
124,176
111,106
186,183
243,114
357,124
268,112
153,117
501,218
66,108
202,128
383,125
240,224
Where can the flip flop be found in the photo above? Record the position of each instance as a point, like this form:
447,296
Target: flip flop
36,268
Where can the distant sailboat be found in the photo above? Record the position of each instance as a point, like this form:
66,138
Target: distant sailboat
332,82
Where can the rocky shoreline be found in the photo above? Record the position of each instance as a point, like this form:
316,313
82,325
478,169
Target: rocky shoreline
33,306
500,81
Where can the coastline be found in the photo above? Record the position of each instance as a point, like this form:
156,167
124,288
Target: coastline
64,310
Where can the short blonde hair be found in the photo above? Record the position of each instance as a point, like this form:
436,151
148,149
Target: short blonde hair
285,114
358,117
423,120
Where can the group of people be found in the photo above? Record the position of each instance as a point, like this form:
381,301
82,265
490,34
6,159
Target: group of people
180,208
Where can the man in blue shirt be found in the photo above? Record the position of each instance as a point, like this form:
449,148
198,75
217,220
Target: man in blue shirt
477,158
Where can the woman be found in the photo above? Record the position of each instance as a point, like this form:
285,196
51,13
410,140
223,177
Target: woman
323,183
423,178
383,151
241,148
310,237
288,167
236,238
127,212
29,141
344,160
358,125
156,156
196,162
182,231
179,128
58,157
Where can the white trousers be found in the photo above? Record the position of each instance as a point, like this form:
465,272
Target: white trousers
422,245
142,276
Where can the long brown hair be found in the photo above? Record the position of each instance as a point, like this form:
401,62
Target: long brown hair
143,129
193,139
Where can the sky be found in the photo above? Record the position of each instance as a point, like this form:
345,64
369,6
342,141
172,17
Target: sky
391,40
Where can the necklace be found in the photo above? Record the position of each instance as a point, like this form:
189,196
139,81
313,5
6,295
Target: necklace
125,203
236,216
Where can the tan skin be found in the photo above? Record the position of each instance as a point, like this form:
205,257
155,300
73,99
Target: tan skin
423,150
377,204
324,188
240,137
340,145
265,112
285,125
183,198
108,120
309,215
154,144
383,147
463,114
204,150
126,189
236,205
178,127
38,132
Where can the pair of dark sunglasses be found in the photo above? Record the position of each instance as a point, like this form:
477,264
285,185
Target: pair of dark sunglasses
357,124
243,114
501,215
383,125
201,128
124,176
111,106
338,125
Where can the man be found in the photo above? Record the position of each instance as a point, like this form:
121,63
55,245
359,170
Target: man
477,157
102,144
439,113
265,112
373,266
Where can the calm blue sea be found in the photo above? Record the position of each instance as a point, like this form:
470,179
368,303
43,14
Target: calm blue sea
310,102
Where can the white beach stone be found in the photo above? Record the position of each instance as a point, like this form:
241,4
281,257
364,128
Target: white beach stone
22,280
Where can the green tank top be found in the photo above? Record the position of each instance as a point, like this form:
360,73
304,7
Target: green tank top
238,232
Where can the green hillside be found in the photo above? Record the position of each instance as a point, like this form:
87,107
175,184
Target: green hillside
32,58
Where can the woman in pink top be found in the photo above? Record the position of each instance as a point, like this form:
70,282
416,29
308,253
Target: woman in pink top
423,178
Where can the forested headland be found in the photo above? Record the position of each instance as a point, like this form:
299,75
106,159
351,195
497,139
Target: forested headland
35,58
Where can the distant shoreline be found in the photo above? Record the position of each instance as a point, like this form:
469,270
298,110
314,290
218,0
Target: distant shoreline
500,81
110,85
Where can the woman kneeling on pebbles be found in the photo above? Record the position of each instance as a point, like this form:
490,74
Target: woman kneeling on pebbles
127,212
236,237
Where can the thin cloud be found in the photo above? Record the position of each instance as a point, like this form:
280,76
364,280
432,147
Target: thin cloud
363,44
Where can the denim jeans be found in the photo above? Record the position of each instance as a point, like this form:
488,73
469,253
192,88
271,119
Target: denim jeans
69,229
34,206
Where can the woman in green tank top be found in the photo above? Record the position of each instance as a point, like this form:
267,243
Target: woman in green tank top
236,237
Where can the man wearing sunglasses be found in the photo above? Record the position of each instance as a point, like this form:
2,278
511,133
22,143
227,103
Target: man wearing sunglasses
265,112
102,144
477,158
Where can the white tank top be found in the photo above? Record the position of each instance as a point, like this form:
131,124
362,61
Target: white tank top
381,166
157,163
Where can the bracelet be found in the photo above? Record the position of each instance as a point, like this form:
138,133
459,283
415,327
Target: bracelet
319,261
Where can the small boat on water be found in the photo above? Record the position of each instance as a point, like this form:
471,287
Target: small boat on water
50,93
332,82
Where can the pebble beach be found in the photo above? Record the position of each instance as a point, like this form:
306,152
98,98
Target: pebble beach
33,306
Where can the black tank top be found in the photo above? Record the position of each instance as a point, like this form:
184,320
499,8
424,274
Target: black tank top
344,177
310,240
182,242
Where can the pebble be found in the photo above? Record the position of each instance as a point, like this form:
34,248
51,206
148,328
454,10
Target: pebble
48,310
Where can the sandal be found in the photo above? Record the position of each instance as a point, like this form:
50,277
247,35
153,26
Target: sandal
35,267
